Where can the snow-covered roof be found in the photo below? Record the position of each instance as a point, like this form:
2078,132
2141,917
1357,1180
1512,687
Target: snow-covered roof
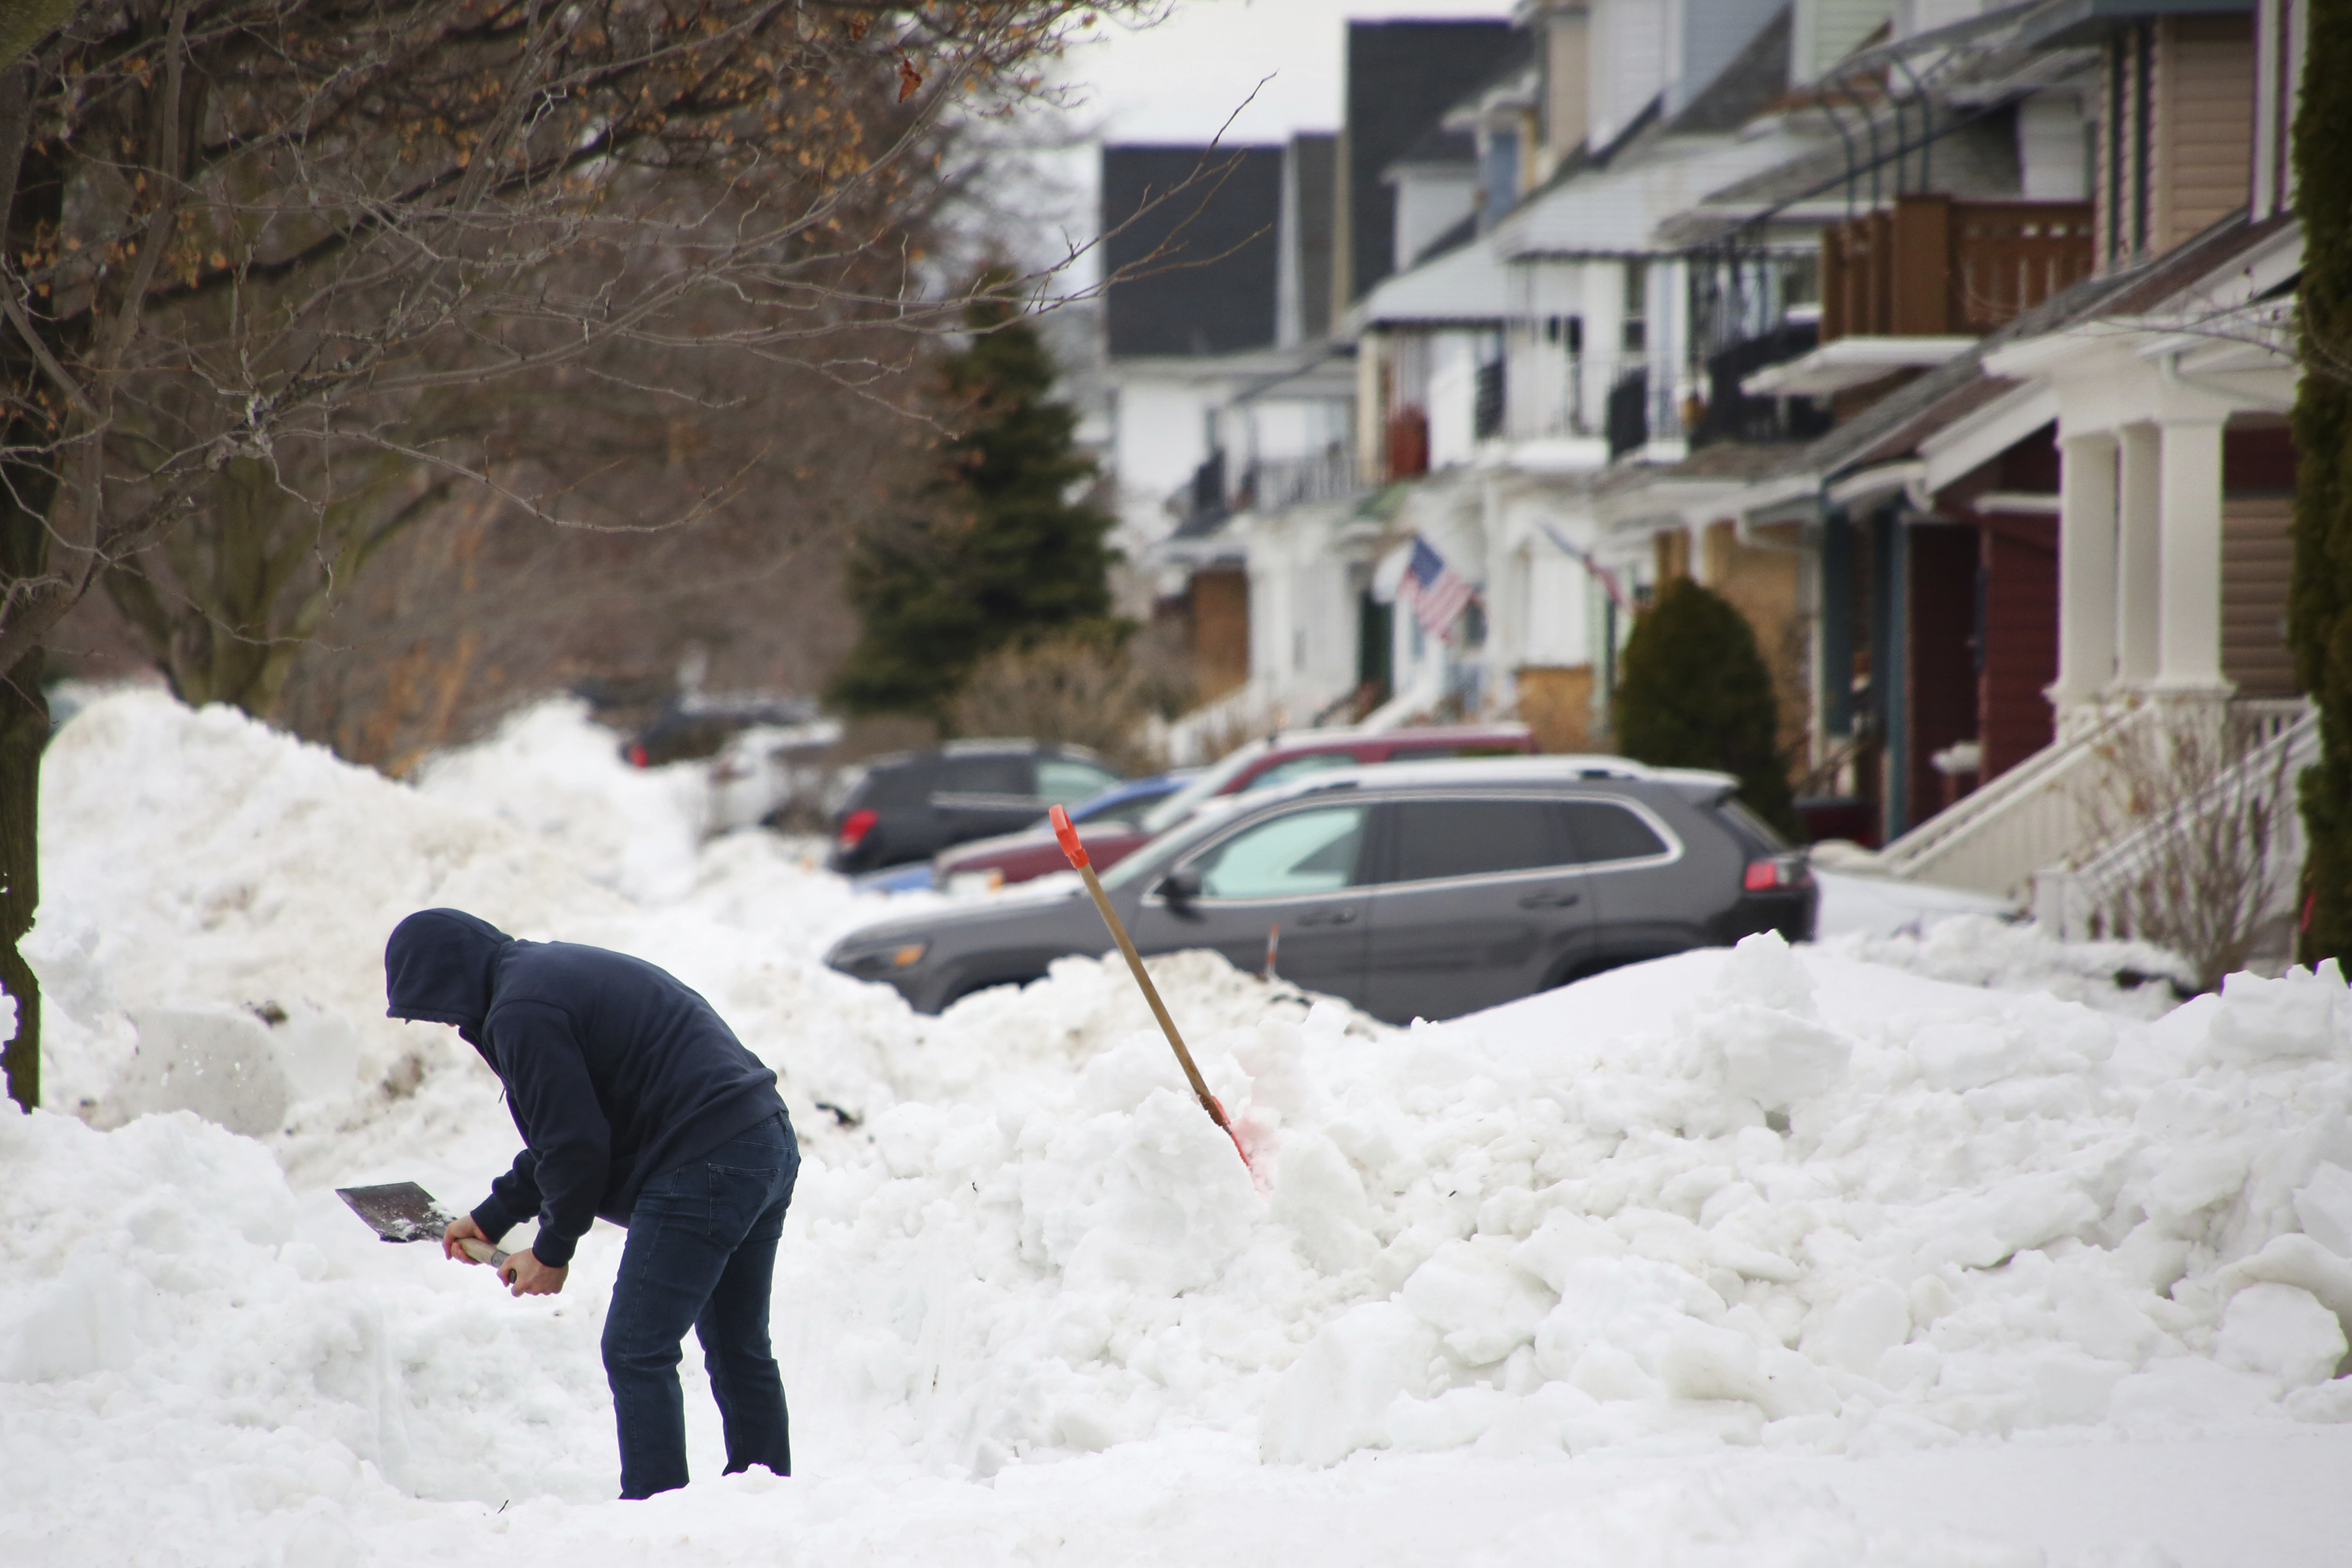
1617,211
1467,284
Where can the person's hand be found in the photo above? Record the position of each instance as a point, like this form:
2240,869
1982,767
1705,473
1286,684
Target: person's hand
526,1275
462,1229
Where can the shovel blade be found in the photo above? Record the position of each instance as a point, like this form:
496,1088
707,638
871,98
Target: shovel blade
398,1211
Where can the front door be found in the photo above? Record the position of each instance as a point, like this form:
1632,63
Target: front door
1478,902
1298,871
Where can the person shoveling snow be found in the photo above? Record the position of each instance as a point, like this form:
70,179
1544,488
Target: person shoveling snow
635,1102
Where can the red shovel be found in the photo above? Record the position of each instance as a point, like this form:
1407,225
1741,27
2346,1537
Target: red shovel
1076,851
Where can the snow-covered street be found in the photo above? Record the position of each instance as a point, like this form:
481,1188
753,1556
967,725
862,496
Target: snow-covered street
1933,1250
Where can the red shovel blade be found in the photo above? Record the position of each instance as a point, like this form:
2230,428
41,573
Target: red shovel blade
1068,834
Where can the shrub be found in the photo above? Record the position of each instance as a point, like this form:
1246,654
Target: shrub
1693,693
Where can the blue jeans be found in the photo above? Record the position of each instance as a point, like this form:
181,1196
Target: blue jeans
702,1254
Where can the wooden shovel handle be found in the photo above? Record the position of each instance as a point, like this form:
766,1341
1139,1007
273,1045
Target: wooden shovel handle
482,1251
1078,861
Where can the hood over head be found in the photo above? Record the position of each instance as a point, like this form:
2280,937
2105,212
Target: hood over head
439,968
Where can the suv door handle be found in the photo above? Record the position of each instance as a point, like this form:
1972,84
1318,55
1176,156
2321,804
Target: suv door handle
1552,900
1327,917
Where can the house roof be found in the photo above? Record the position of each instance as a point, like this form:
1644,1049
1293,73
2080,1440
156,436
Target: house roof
1203,259
1615,201
1756,76
1402,79
1976,159
1467,285
1436,147
1618,209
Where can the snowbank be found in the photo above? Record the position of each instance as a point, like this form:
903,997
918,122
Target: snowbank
1753,1200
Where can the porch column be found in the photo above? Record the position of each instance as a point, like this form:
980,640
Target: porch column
2188,567
2138,535
2086,570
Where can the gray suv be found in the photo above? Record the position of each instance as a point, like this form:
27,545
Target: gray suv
1412,890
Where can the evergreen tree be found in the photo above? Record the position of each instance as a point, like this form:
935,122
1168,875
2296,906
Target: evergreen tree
2319,604
1693,693
1008,558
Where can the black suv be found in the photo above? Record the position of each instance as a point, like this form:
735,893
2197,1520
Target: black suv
910,805
1416,889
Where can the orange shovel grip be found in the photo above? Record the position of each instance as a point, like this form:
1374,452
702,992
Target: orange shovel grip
1068,834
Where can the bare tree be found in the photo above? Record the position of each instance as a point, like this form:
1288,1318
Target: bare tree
249,243
1076,690
2193,825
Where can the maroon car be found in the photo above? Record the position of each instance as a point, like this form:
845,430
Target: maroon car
1277,758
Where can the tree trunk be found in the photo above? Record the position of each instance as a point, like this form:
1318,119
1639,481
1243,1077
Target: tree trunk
24,728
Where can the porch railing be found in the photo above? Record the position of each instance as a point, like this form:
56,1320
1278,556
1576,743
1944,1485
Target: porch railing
1934,266
1993,839
2022,828
2280,738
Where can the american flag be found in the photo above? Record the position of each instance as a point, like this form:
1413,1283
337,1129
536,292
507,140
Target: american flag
1439,594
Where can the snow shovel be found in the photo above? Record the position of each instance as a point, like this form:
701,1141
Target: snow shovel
403,1211
1080,863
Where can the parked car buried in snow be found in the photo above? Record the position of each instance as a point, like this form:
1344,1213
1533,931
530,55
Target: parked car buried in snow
1260,765
1411,889
910,805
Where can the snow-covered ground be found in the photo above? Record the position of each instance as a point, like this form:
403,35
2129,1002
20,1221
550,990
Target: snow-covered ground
1934,1249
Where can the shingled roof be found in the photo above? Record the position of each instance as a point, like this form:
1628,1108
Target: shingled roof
1402,79
1205,257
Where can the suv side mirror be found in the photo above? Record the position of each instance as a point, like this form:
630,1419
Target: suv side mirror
1180,887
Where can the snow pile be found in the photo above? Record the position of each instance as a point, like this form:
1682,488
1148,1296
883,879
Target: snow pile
217,896
1755,1198
1698,1202
2133,978
552,773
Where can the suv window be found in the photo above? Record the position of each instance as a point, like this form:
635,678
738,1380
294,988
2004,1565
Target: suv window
1300,852
1762,833
903,781
1437,838
1299,767
984,774
1066,781
1601,831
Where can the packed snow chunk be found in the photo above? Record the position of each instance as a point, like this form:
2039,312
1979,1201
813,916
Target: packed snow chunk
2303,1013
2323,1204
1319,1198
1860,1327
1483,1306
2282,1332
1759,1036
1335,1397
237,1070
1154,1200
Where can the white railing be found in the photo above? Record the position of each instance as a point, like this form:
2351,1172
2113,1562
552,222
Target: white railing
1993,839
2080,902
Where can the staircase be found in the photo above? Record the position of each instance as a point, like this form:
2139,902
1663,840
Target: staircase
2024,831
1993,839
2077,902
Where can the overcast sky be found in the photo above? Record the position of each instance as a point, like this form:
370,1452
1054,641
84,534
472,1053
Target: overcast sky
1178,81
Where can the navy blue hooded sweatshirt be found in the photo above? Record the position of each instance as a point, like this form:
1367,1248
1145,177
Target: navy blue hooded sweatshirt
614,1071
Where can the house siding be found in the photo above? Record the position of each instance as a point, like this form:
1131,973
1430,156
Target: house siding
2019,648
2204,123
1940,677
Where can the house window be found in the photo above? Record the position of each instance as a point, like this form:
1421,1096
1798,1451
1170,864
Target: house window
1637,307
1499,187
